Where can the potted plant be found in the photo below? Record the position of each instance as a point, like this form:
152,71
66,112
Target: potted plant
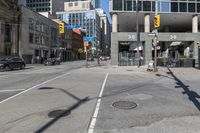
161,61
186,62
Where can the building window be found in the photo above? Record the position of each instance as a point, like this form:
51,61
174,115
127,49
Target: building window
128,5
191,7
182,7
31,37
37,26
83,5
37,39
7,37
70,4
146,5
76,3
198,7
174,7
117,5
31,24
165,6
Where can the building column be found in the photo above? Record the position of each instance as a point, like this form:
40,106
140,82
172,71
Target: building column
14,40
114,22
195,24
148,51
196,46
147,23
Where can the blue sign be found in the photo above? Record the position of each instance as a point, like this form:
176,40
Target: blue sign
73,27
89,39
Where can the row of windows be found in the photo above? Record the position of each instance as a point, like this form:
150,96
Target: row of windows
163,6
39,5
38,39
37,26
31,1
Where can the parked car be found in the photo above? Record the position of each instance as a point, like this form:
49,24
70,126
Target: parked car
11,63
52,61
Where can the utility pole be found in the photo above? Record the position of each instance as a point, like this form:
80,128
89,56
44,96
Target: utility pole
138,34
156,26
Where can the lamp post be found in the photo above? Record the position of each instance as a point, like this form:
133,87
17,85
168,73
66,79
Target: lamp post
138,34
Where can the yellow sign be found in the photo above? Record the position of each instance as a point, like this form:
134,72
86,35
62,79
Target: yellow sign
156,21
61,28
86,44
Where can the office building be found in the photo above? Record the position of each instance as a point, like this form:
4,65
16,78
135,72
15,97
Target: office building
9,28
38,35
105,32
178,34
86,19
51,6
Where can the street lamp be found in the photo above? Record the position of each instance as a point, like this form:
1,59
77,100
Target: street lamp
138,34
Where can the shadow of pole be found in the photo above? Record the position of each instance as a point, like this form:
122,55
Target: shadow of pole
192,95
67,111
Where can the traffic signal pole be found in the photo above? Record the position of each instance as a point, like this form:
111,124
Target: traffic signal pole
155,39
138,34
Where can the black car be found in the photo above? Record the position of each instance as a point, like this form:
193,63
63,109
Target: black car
52,61
12,63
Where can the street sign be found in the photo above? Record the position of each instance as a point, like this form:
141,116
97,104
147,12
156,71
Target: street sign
152,34
156,21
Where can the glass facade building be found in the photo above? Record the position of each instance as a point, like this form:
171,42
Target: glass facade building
39,5
88,20
164,6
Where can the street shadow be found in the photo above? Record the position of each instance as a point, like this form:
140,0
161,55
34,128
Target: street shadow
192,95
63,113
160,75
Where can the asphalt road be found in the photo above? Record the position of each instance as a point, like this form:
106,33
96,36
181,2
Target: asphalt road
13,82
70,98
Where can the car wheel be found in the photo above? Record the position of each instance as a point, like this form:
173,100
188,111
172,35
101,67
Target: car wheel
7,68
22,66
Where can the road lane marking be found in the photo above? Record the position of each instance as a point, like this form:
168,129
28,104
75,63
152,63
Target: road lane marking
26,90
12,90
94,118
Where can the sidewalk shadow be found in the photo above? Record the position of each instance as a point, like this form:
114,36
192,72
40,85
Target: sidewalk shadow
65,112
192,95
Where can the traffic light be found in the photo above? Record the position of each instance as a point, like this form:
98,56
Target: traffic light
156,21
61,28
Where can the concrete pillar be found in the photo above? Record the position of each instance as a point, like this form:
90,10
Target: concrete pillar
14,40
148,51
114,49
114,22
147,23
196,45
195,24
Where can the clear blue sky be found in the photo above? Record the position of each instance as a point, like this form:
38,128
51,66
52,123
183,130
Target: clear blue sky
105,5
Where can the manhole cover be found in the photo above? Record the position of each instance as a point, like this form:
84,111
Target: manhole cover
124,105
58,113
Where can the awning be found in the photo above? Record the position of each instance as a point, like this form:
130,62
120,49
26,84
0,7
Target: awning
175,43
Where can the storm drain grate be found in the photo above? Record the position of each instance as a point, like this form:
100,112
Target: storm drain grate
129,70
58,113
124,105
